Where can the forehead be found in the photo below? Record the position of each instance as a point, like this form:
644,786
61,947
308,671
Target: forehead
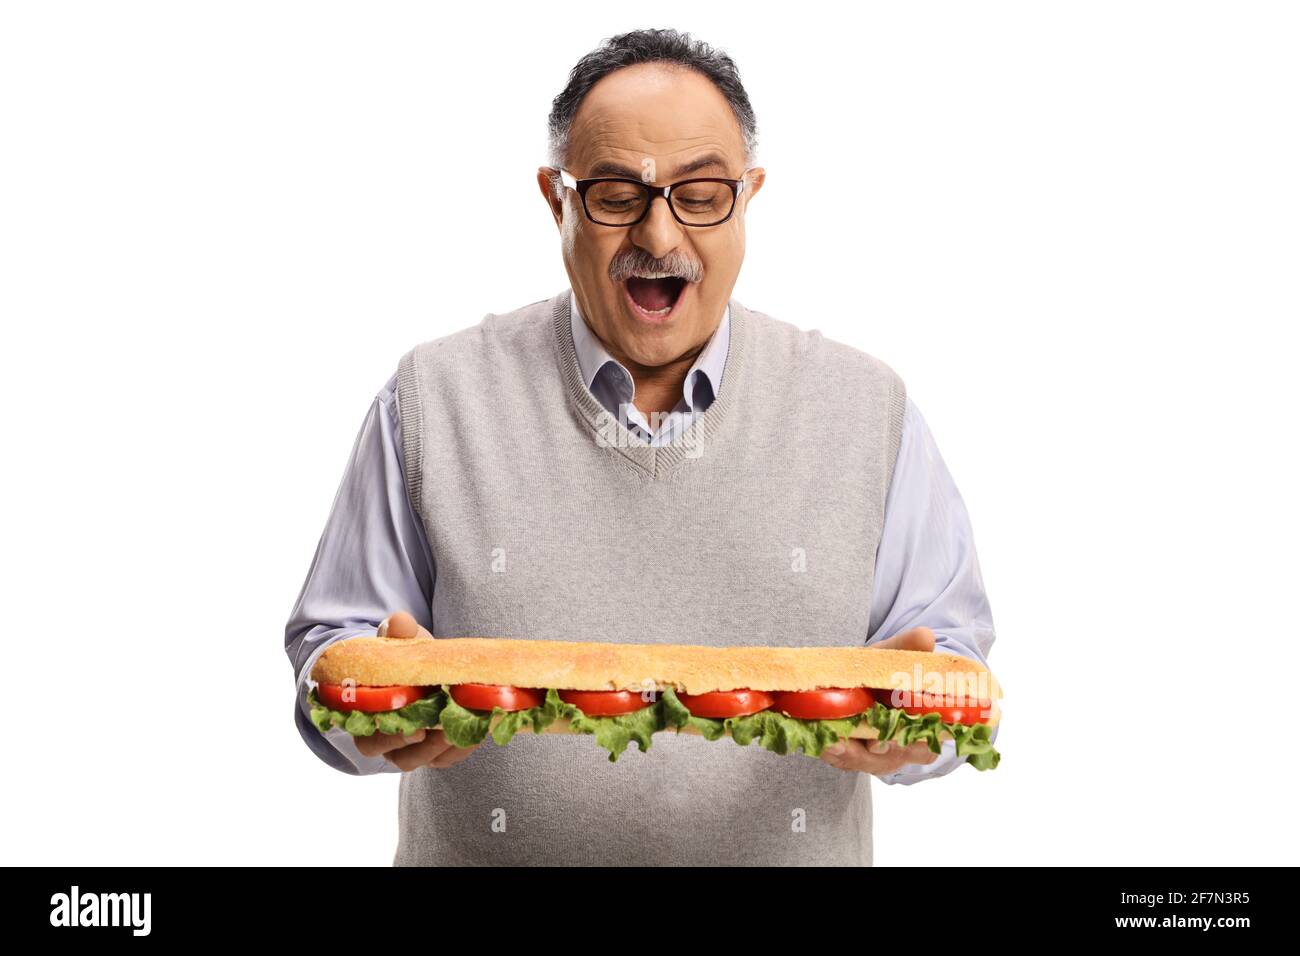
672,115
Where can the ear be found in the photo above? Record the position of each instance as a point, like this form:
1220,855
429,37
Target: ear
754,182
548,179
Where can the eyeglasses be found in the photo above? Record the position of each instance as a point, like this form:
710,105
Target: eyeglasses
625,202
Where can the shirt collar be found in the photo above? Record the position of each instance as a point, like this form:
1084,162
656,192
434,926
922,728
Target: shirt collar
707,369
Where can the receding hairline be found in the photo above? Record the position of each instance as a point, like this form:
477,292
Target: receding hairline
674,54
712,159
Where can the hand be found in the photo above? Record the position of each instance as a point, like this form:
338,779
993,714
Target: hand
873,756
424,748
917,639
403,624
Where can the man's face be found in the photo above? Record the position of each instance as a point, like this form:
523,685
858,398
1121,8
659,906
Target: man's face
660,119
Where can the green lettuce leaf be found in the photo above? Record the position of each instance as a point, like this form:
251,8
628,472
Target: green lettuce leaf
973,740
425,712
774,731
465,727
781,734
612,733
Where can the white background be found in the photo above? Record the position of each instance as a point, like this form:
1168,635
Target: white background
1072,229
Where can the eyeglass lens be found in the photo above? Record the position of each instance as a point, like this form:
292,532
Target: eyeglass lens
697,203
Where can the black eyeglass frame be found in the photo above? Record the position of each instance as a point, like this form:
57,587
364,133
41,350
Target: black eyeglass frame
580,186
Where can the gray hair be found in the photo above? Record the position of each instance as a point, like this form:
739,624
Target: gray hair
650,46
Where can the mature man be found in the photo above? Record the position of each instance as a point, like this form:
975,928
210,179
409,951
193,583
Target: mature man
641,458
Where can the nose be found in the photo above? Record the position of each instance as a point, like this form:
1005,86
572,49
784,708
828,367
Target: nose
658,233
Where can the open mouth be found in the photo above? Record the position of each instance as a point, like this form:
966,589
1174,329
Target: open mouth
654,298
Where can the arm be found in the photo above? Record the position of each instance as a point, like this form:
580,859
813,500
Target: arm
927,572
373,557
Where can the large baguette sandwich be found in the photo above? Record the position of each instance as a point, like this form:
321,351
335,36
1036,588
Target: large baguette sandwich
787,699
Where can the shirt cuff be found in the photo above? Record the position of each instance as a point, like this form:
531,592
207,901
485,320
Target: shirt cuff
336,746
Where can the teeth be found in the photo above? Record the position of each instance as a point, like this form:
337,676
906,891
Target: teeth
654,275
663,311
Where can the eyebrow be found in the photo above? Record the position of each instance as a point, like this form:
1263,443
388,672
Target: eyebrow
612,168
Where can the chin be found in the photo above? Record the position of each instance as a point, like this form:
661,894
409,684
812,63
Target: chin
660,356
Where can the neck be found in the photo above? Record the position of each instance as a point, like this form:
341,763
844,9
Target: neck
659,387
591,414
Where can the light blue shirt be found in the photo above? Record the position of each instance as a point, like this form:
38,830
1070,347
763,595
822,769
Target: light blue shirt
612,384
373,557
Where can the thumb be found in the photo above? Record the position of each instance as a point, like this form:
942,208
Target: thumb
917,639
402,624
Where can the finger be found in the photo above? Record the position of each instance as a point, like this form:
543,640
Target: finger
419,754
851,754
894,756
854,754
452,755
920,752
378,744
449,753
402,624
917,639
431,749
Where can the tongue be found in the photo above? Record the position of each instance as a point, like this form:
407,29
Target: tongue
653,294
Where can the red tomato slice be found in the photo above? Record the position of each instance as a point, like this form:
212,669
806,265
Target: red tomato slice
726,703
604,703
370,700
951,712
830,703
487,696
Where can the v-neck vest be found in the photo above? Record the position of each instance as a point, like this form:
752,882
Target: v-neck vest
547,520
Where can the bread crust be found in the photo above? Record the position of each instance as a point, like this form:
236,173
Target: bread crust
687,668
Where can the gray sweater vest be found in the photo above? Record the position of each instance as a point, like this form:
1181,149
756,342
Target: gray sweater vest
549,521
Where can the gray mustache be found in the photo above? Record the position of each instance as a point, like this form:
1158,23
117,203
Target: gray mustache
673,266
